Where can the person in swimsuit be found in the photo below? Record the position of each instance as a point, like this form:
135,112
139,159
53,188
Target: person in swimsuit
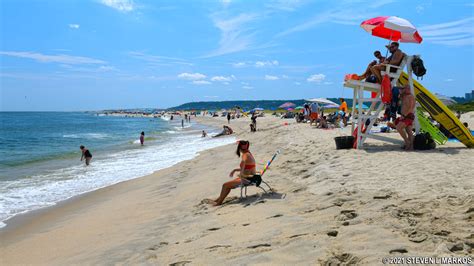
142,138
86,154
247,170
404,124
368,71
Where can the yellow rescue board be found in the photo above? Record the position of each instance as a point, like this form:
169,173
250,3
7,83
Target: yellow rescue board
439,112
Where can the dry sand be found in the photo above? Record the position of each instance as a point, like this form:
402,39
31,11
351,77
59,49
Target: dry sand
330,206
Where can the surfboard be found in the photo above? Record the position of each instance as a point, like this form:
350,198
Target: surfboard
439,112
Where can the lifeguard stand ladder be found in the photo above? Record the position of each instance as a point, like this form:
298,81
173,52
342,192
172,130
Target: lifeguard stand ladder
376,105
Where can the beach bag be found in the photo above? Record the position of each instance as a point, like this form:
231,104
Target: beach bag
424,141
418,67
386,90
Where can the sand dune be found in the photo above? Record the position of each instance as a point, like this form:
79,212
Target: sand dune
329,207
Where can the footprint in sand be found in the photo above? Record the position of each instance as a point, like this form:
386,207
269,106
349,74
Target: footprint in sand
275,216
180,263
341,259
298,235
347,215
417,237
398,250
218,246
259,245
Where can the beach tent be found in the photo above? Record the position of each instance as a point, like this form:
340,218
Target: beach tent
299,107
321,100
445,99
287,105
363,106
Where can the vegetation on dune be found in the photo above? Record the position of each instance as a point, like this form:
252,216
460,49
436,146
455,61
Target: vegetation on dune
463,107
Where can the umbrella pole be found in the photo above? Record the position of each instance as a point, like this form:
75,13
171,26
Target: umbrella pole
389,40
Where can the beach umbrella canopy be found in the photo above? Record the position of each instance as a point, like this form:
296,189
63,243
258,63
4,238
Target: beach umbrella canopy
290,109
257,109
299,107
321,100
287,105
329,106
392,28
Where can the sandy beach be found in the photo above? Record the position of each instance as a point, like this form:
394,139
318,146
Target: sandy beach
329,207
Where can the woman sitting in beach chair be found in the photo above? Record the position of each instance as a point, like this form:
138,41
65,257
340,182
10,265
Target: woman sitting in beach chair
247,171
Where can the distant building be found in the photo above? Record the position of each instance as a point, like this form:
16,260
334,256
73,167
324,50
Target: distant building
470,96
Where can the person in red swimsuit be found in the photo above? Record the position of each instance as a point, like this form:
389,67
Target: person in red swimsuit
404,123
247,169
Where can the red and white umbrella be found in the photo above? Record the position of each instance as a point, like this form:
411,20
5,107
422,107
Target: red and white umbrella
392,28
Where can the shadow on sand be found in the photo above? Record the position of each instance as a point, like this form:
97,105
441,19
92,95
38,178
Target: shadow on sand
255,199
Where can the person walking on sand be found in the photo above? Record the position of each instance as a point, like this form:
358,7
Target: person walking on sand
343,111
86,154
247,170
182,123
404,124
142,138
228,117
254,122
204,134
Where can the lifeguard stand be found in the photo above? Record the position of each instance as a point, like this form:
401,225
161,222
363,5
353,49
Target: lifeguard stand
376,104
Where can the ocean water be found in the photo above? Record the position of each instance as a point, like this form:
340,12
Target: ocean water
40,157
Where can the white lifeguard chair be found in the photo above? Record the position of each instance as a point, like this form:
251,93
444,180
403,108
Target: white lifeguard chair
376,105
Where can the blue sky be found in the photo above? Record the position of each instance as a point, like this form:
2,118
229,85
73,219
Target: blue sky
98,54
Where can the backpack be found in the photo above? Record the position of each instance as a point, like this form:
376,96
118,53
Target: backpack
417,66
424,141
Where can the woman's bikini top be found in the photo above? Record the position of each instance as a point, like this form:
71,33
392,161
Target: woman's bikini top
248,166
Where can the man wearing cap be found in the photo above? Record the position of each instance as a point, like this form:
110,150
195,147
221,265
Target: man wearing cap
404,124
395,59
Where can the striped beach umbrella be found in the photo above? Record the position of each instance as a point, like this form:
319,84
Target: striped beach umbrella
392,28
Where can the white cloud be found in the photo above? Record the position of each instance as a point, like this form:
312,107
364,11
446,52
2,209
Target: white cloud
342,12
211,97
318,78
285,5
201,82
61,58
235,37
247,87
449,80
226,3
297,83
328,82
192,76
159,60
120,5
266,63
284,77
74,26
269,77
244,83
453,33
239,64
223,79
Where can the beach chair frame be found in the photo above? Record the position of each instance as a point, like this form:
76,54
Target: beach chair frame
243,187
